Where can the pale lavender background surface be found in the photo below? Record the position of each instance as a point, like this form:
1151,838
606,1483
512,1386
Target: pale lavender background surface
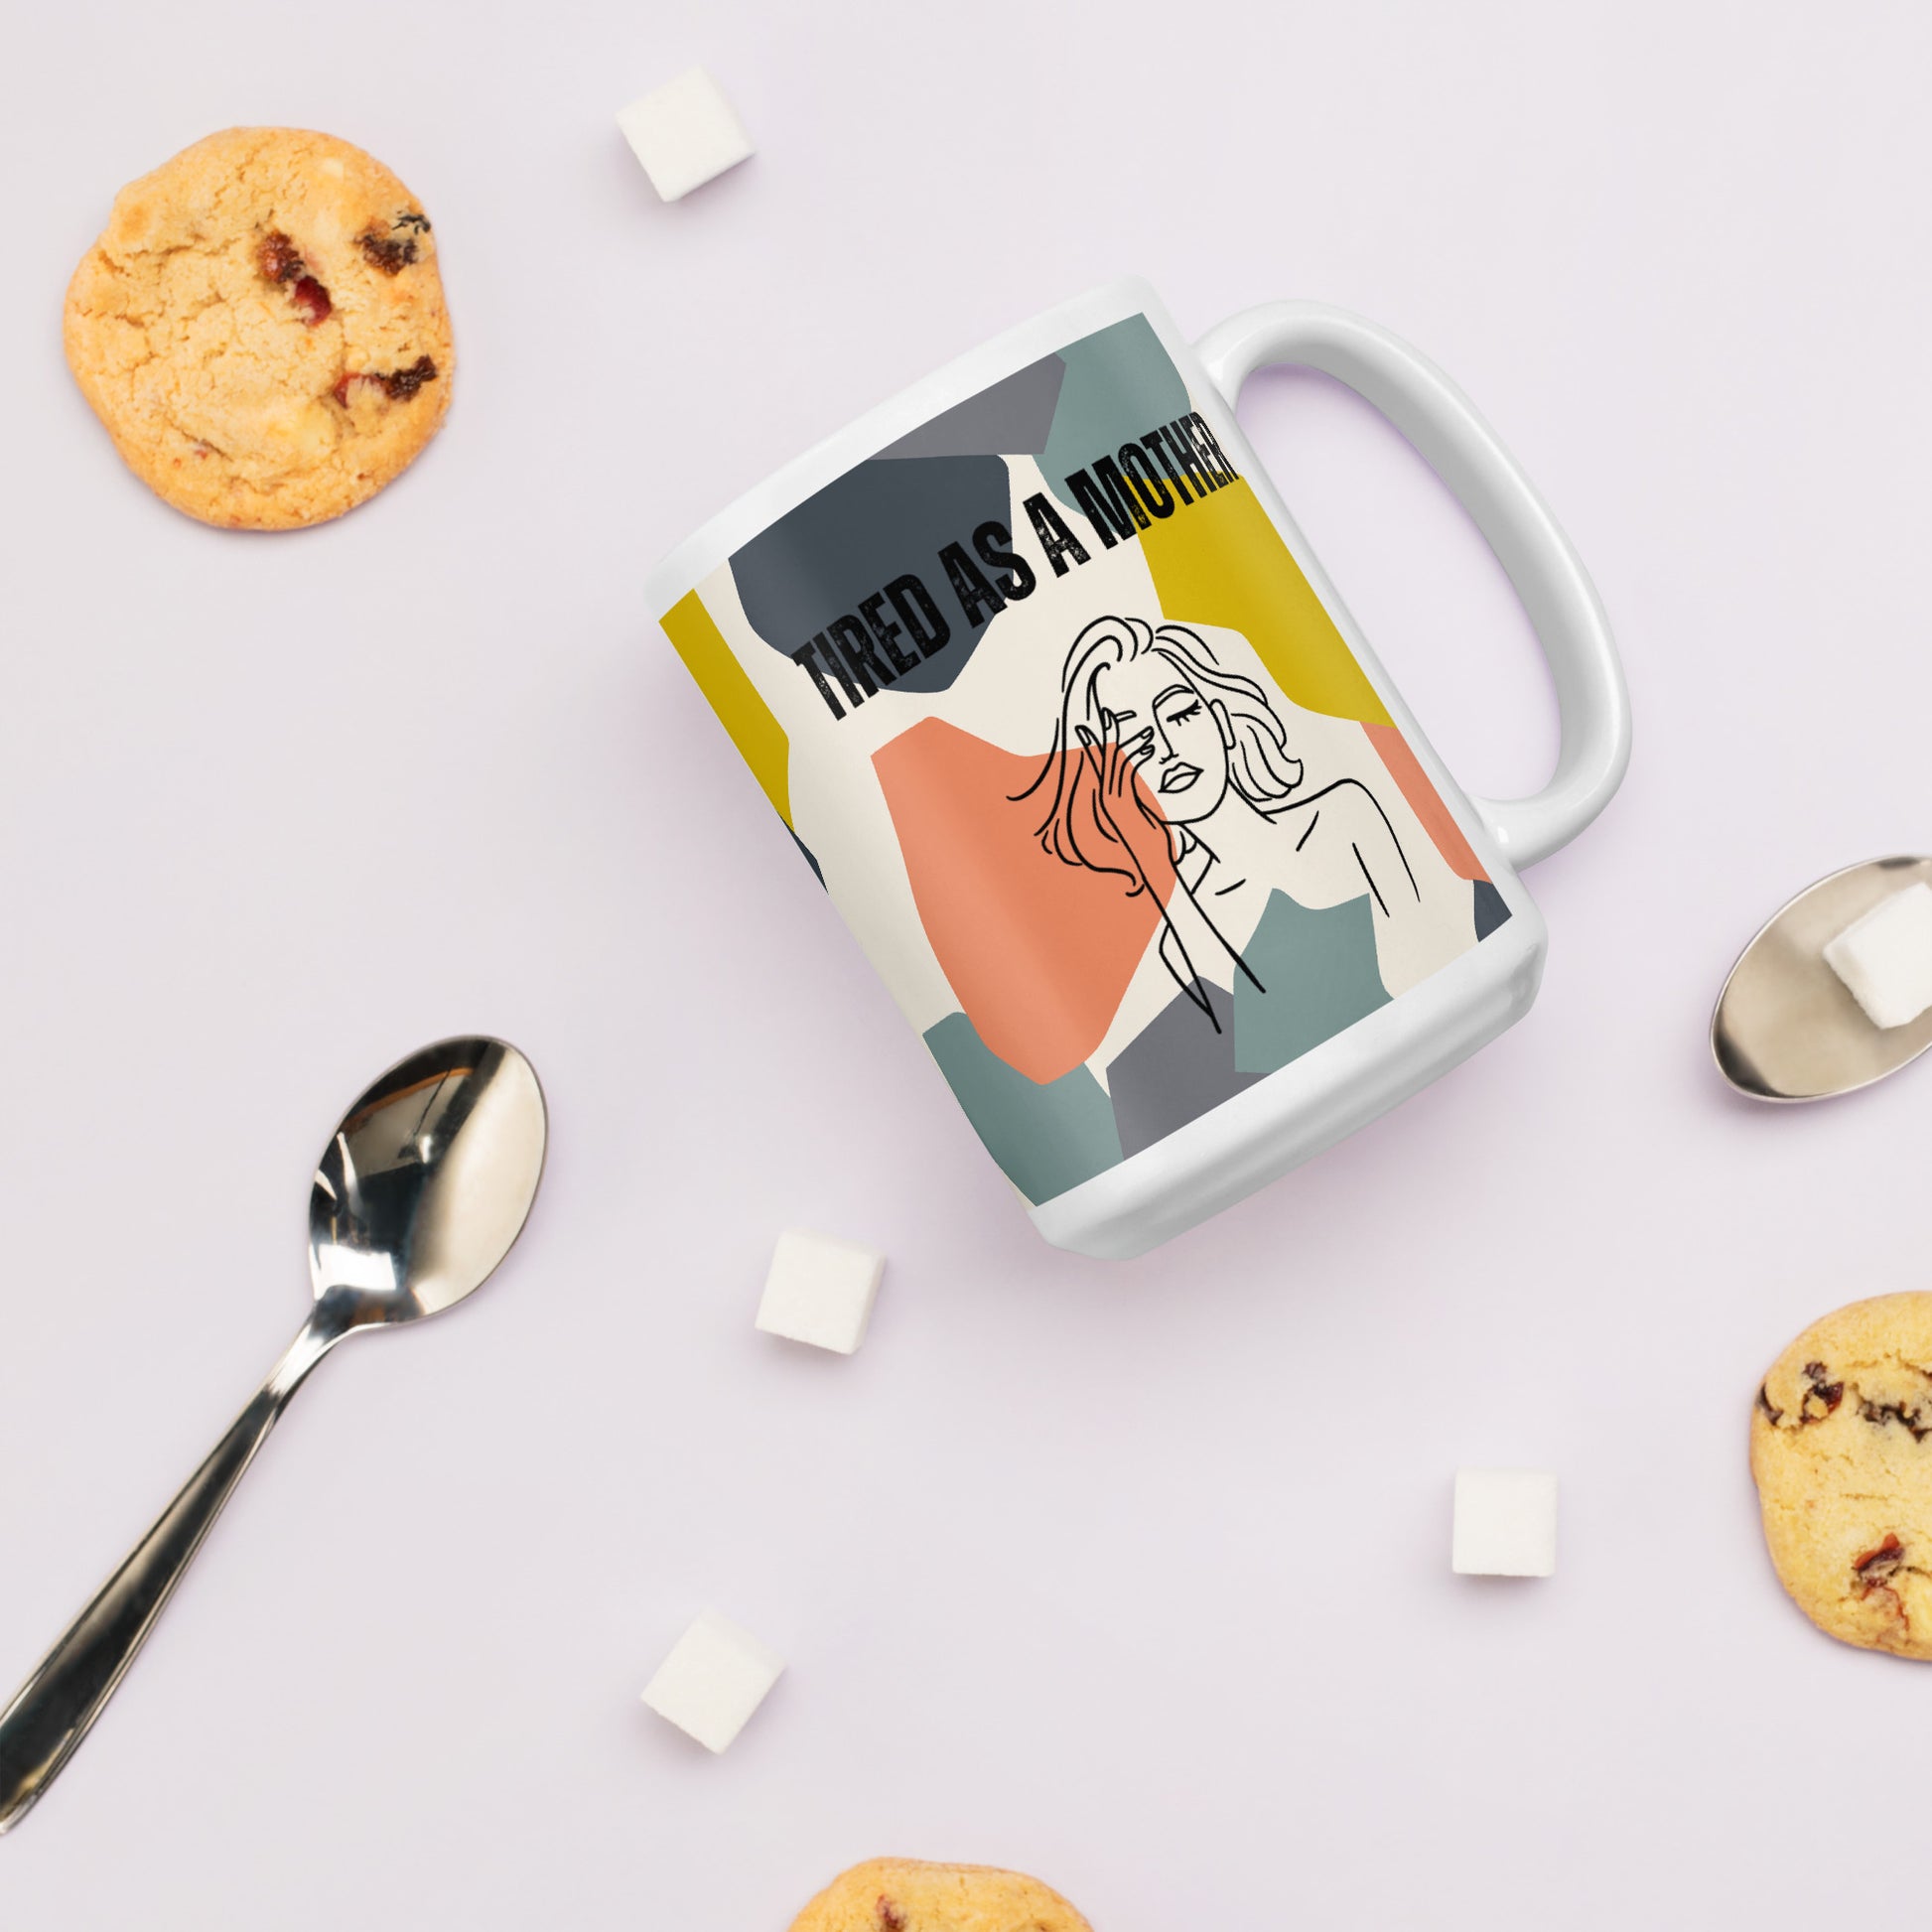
1136,1576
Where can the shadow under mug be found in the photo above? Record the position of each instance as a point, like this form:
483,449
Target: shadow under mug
1059,706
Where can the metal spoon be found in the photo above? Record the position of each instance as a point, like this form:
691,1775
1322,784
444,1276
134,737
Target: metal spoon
420,1194
1785,1026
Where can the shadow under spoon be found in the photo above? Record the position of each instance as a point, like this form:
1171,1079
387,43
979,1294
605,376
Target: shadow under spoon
421,1193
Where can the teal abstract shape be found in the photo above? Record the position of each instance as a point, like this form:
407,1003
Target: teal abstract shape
1046,1139
1317,964
1118,384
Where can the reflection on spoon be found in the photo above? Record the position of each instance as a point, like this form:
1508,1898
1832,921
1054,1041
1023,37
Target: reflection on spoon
1785,1026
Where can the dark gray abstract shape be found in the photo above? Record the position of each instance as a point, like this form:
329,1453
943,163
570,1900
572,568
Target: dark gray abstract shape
1176,1069
811,858
1013,418
875,524
1490,910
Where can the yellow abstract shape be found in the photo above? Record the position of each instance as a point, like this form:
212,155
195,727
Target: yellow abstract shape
1219,561
759,737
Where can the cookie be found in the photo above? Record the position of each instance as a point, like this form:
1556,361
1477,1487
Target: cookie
1842,1452
904,1895
261,328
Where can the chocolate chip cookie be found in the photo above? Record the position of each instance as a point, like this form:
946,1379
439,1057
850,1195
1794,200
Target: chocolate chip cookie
904,1895
1841,1451
263,330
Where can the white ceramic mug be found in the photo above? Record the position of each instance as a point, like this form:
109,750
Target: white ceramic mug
1087,751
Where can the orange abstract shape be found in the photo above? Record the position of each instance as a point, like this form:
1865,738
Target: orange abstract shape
1425,801
1220,561
1039,951
759,737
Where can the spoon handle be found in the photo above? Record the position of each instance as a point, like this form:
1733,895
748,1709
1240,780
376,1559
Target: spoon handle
56,1707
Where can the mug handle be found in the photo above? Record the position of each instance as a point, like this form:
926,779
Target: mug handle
1593,705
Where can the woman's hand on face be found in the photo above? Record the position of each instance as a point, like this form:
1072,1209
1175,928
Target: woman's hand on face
1130,764
1125,804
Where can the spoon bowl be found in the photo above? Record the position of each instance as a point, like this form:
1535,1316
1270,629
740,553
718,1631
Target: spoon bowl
420,1193
427,1182
1786,1028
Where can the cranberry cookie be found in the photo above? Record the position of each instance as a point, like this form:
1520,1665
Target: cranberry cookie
261,328
903,1896
1841,1451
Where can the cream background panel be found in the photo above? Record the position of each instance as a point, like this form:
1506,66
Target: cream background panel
1009,694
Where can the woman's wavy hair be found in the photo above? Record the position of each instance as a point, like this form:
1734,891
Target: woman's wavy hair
1074,829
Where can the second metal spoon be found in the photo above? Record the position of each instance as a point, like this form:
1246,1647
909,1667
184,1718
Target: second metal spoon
1785,1026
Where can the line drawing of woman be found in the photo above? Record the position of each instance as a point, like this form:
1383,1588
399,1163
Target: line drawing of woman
1184,786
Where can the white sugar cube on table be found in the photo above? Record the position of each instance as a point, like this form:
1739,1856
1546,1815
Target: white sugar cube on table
685,133
1506,1523
716,1676
1886,957
820,1290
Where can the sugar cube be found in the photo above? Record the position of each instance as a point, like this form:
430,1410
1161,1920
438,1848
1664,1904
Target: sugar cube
685,133
1506,1523
716,1676
820,1290
1886,957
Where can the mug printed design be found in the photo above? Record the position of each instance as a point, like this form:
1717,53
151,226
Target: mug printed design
1082,759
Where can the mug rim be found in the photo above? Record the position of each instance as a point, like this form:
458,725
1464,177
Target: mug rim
728,530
